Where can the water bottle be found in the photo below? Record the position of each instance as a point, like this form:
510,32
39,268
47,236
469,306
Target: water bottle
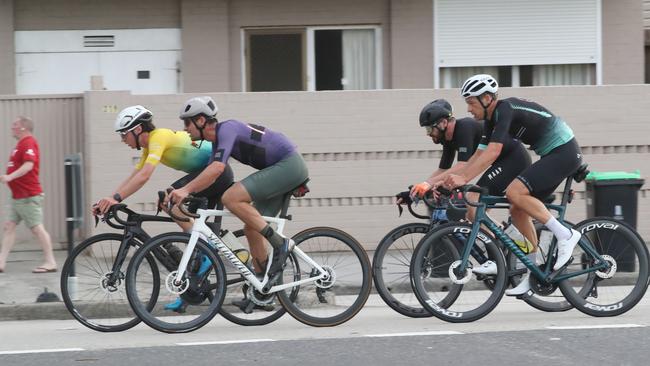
237,248
518,238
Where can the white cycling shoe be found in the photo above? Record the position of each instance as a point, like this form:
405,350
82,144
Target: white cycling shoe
565,249
522,288
487,268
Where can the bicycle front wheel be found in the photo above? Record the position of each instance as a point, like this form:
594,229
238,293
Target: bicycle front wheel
182,304
611,291
391,269
446,292
339,297
90,291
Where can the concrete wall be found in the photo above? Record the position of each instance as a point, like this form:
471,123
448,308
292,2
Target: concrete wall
96,14
206,46
411,39
363,147
623,42
7,58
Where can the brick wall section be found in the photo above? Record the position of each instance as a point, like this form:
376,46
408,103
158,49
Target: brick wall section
363,147
411,62
623,42
7,58
206,46
96,14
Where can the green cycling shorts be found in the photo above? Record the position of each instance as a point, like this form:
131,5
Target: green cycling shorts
268,186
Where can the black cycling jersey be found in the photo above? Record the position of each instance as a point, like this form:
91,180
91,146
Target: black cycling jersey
529,122
467,134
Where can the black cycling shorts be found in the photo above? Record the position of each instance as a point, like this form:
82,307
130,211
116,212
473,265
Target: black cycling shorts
505,169
543,177
214,192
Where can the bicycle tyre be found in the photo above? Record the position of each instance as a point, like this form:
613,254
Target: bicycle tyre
105,316
392,258
592,297
432,259
335,251
211,286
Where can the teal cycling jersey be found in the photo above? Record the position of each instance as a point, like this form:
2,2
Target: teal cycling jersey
528,122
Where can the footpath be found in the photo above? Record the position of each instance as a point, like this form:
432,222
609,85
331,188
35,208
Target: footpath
20,288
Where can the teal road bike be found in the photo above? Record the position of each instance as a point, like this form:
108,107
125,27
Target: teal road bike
607,275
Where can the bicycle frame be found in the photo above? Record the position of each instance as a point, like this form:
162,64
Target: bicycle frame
200,228
548,275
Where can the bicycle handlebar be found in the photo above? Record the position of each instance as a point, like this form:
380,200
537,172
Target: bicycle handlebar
482,191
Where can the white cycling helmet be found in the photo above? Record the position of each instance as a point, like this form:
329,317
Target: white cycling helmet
197,106
479,84
132,116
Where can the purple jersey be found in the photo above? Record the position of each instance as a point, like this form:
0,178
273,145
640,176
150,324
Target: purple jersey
250,144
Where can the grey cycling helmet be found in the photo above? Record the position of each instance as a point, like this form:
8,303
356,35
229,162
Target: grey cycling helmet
132,116
199,106
479,84
433,112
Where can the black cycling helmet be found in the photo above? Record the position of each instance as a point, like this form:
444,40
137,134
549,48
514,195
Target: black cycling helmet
433,112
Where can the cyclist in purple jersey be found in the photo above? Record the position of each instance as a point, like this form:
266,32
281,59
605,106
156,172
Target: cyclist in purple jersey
280,170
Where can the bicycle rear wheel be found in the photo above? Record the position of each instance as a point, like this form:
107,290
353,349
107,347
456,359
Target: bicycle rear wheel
449,295
612,291
391,269
94,297
330,302
181,306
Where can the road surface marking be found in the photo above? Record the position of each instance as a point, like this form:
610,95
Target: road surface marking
41,351
225,342
602,326
413,334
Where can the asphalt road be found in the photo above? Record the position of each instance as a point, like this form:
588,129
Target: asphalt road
513,333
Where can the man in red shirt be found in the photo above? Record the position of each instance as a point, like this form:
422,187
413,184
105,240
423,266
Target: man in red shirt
26,195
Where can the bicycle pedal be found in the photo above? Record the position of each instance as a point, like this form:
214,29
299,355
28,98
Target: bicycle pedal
525,296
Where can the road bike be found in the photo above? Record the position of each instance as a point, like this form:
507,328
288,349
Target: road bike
607,275
93,276
329,284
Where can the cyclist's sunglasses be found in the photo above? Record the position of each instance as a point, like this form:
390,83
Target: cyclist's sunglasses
126,132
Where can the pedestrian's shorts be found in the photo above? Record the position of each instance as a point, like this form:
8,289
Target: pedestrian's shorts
29,209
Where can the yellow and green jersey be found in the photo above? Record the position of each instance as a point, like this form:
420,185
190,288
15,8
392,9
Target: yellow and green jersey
176,150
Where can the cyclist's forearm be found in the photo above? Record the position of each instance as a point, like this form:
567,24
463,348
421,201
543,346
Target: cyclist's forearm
136,181
437,180
125,181
207,177
476,166
434,176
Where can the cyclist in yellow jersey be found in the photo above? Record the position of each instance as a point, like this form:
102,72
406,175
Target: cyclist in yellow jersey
174,149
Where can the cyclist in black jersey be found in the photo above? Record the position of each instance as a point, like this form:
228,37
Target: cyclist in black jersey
548,135
464,136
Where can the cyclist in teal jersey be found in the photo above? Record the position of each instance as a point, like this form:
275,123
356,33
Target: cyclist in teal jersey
548,135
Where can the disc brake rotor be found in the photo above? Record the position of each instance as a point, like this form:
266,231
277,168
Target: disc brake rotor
173,286
452,273
609,272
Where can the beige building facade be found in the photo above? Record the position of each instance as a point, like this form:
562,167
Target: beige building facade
361,147
217,37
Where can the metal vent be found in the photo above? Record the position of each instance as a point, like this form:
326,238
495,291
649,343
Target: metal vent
99,41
